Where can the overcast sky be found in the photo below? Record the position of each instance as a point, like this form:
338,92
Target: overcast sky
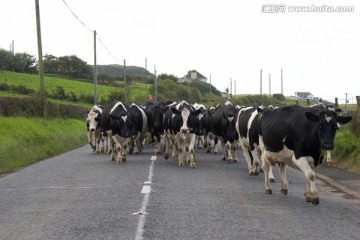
319,52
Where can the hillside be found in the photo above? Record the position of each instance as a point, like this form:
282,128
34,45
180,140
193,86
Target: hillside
117,71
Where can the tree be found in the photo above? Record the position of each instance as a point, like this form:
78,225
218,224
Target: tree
24,63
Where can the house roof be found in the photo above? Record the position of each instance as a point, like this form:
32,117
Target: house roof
199,75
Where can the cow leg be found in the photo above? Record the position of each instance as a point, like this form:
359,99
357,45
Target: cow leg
329,161
191,151
311,192
248,157
97,140
234,152
90,140
227,151
208,143
266,168
182,150
167,145
137,144
174,147
271,175
284,182
112,148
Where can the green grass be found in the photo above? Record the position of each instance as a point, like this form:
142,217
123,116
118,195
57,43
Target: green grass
27,140
347,151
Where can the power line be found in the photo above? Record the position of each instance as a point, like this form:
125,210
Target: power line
77,17
107,50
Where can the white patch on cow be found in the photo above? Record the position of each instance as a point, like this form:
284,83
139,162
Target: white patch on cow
185,113
96,108
284,138
328,118
116,105
91,120
228,103
231,119
124,118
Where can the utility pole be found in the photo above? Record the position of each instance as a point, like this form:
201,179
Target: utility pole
125,81
345,101
95,71
260,81
155,81
210,84
41,65
269,85
235,88
282,83
230,88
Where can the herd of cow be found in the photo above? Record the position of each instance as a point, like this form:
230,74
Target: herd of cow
266,135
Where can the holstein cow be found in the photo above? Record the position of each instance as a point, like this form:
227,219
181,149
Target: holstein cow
223,126
320,106
116,123
139,127
156,125
169,131
185,124
293,134
210,139
94,130
200,134
248,129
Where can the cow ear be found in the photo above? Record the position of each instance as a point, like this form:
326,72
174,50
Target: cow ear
87,113
344,119
312,116
175,111
196,112
259,110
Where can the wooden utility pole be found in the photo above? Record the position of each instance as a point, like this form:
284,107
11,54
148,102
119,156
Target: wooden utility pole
125,81
155,82
210,84
40,62
95,71
282,83
260,81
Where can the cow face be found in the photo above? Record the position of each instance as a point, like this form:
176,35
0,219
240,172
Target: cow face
328,125
228,124
93,119
185,119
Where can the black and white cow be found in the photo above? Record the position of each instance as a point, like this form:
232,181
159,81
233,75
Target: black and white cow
169,131
248,129
116,122
200,134
321,106
96,138
293,134
223,126
210,139
184,125
139,127
156,125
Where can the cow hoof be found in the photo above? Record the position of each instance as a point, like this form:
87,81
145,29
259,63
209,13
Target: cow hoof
268,191
315,201
181,163
166,156
229,161
284,191
173,155
251,173
193,165
235,161
119,161
272,180
256,173
208,151
308,199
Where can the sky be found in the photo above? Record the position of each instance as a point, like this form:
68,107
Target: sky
229,41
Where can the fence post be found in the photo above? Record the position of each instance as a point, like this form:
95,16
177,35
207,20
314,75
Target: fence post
336,103
358,101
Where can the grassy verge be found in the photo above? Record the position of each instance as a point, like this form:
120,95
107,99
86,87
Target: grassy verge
27,140
347,151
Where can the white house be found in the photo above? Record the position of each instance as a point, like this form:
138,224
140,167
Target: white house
193,74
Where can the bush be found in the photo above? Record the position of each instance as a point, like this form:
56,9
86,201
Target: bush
4,86
30,107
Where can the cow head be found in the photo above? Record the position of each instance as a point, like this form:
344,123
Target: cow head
93,120
228,122
328,125
185,118
120,120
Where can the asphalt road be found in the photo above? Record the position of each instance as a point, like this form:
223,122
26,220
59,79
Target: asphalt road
82,195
